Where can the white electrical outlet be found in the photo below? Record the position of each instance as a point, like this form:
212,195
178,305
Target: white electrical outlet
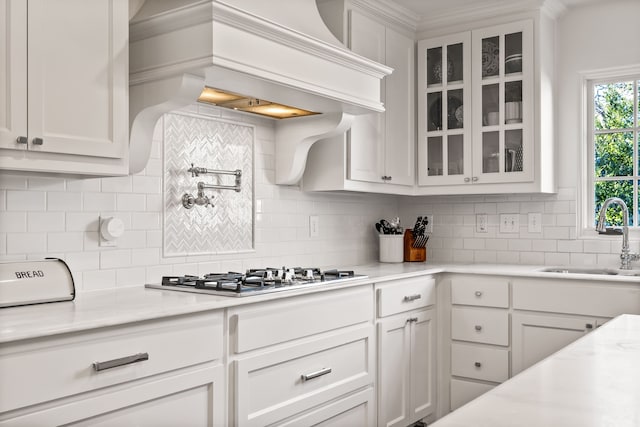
481,223
314,226
535,222
429,227
509,223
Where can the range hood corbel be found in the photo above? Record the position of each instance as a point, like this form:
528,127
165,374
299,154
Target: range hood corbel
278,50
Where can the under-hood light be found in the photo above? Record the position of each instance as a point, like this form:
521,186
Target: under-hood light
250,105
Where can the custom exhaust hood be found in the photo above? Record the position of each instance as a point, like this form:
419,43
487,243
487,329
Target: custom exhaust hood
260,55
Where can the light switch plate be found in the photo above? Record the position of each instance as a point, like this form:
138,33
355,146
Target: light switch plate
535,222
509,223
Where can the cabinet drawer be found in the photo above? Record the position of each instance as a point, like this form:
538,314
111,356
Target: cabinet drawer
465,391
482,363
406,294
573,297
60,366
299,317
489,326
479,290
355,410
272,386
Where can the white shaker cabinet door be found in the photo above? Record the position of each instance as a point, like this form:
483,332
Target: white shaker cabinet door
13,78
536,336
366,136
78,77
399,103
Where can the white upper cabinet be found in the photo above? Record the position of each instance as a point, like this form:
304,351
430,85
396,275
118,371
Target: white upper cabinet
67,108
485,110
378,153
444,124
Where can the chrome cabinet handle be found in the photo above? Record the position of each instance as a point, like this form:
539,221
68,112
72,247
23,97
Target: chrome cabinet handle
389,178
316,374
467,179
411,320
21,140
101,366
478,364
409,298
589,326
474,179
478,328
37,141
478,294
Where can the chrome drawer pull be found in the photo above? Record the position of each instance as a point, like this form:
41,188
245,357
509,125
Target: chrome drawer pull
478,328
478,364
316,374
478,294
37,141
409,298
101,366
21,140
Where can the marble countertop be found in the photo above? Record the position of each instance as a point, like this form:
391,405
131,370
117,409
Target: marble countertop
593,382
118,306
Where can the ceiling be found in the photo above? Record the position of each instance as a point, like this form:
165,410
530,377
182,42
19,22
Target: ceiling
430,8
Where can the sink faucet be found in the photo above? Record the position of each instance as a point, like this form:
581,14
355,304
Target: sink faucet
626,256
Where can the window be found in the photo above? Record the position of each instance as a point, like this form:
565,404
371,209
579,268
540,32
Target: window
613,133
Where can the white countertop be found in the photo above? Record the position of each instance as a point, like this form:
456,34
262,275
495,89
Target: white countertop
118,306
593,382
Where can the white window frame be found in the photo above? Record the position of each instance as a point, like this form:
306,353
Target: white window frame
586,178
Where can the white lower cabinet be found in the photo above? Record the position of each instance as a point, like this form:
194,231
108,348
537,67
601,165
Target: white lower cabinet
406,351
314,365
536,336
479,352
157,373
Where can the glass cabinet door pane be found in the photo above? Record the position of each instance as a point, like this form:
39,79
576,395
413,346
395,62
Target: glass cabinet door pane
434,156
455,119
434,112
454,63
513,150
434,66
490,103
513,102
490,152
490,57
513,53
455,152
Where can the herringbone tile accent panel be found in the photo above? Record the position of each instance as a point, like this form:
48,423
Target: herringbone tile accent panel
212,144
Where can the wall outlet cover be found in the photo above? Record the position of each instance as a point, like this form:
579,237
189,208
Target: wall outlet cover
534,222
314,226
429,227
482,223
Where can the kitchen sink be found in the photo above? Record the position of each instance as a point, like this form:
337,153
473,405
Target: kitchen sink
587,270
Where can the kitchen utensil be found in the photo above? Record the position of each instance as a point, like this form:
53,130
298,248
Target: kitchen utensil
379,227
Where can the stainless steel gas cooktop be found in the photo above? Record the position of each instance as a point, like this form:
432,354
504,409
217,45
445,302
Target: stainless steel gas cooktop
255,281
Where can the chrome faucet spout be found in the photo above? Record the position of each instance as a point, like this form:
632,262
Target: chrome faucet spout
625,256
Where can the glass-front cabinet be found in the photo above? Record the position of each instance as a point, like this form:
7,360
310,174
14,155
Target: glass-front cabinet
476,104
444,86
503,103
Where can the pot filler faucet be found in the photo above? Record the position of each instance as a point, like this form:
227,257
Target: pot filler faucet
626,256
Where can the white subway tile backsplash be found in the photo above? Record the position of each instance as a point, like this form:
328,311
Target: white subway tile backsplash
26,200
570,246
145,221
146,257
46,184
79,221
84,184
45,221
583,259
130,202
65,242
25,243
556,258
120,184
97,202
117,258
64,202
94,280
146,184
82,261
532,258
133,276
14,222
13,182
